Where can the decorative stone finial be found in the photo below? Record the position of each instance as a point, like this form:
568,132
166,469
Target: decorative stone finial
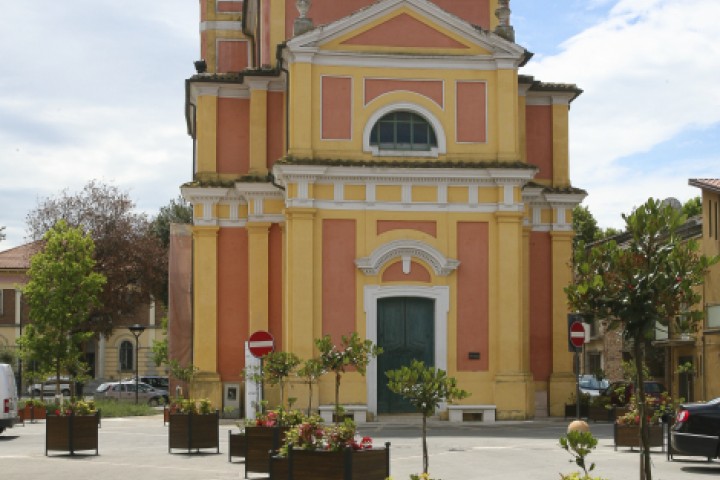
504,29
302,23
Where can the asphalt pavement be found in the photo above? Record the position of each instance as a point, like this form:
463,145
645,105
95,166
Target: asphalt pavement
136,448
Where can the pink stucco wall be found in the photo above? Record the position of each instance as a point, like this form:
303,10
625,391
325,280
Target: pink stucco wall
338,277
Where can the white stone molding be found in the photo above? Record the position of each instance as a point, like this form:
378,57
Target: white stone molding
440,264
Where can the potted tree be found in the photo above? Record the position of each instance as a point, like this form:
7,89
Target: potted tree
353,353
193,425
424,387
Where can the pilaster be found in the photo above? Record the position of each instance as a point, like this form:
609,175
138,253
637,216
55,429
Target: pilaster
507,112
299,309
560,143
258,263
258,126
206,134
205,274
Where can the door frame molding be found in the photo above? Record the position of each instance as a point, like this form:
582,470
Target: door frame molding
441,296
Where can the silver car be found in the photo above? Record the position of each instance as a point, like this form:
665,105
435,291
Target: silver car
126,391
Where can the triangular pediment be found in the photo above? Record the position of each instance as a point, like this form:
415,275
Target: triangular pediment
405,27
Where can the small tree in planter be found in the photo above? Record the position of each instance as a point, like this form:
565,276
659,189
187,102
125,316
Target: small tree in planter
424,387
277,367
354,353
310,372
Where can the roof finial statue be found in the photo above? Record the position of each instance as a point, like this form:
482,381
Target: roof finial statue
302,23
504,29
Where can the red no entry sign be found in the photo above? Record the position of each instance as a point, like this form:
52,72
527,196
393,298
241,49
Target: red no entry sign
577,334
261,343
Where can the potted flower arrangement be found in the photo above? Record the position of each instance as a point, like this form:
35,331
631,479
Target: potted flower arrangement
571,406
626,432
71,427
600,409
316,452
193,425
32,410
264,434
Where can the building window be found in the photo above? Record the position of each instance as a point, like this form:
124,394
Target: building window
403,131
126,356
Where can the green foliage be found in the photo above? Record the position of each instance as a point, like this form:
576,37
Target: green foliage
585,226
160,352
424,387
579,445
2,234
115,409
649,279
692,207
277,367
62,291
353,352
177,211
311,370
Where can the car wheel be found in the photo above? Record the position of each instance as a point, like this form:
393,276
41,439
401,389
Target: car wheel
65,392
2,429
36,392
153,402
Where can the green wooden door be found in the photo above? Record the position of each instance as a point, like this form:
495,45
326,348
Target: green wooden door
405,332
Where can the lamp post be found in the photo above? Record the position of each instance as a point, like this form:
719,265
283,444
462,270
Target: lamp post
136,330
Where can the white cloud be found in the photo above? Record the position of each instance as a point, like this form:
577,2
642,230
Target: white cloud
648,73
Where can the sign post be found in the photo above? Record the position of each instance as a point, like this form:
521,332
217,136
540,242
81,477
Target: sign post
576,334
259,344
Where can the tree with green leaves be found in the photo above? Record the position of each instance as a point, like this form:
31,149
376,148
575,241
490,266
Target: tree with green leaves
310,372
2,234
353,352
277,367
692,207
424,387
62,291
177,211
127,251
650,279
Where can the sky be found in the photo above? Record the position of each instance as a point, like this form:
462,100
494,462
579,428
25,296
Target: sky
94,89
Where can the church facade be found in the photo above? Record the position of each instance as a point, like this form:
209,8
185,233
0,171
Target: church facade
381,167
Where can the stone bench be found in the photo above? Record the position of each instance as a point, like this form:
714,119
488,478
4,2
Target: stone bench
358,412
458,413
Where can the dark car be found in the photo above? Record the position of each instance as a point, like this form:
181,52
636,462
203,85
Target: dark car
697,430
620,392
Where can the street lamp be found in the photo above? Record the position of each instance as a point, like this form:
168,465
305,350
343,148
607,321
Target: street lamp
136,330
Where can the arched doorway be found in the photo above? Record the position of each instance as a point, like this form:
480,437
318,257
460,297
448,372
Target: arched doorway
406,332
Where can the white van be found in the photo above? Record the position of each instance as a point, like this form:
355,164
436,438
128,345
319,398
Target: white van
8,398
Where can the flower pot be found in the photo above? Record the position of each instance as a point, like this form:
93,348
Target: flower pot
600,414
71,433
194,431
571,410
258,442
629,436
348,464
236,445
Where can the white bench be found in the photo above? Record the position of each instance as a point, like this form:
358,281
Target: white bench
358,412
456,413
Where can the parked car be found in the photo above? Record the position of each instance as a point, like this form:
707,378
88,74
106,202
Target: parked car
697,430
48,387
590,385
126,391
155,381
620,392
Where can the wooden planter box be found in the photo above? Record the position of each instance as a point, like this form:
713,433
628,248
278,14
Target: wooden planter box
571,410
373,464
601,414
629,436
194,431
72,433
258,442
236,445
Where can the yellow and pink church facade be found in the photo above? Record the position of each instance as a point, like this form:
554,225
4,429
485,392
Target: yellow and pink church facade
381,167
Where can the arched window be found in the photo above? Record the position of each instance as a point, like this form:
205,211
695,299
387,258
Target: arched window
403,131
126,356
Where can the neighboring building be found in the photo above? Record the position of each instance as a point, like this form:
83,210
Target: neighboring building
381,167
108,358
704,353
